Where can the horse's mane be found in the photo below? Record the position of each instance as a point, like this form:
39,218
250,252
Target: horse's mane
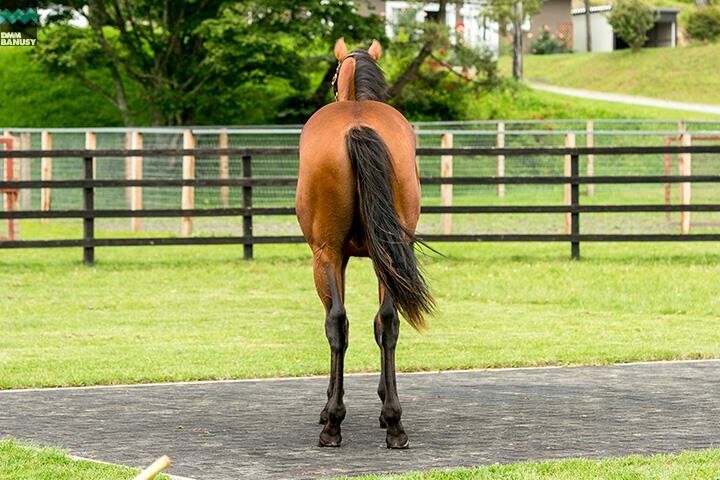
369,79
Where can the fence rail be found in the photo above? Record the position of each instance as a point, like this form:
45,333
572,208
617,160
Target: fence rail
572,180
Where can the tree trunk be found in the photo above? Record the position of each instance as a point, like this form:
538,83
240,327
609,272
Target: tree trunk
588,31
517,13
120,98
410,72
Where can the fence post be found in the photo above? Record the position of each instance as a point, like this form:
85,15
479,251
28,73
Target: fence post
188,192
667,171
247,204
590,142
45,172
136,173
500,143
11,200
575,203
685,167
569,142
224,170
446,191
91,144
89,206
25,172
128,170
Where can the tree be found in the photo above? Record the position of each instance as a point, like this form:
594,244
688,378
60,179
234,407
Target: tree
513,12
631,20
189,58
704,24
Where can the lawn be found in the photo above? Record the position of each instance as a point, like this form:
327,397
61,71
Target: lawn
701,465
685,74
22,461
184,313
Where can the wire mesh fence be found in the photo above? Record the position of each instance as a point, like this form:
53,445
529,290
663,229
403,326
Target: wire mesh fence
529,133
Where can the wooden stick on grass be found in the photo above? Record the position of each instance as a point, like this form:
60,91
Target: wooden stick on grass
154,469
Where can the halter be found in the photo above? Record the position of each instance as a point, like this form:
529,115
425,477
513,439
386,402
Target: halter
337,72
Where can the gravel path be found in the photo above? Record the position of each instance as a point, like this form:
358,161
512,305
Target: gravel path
628,99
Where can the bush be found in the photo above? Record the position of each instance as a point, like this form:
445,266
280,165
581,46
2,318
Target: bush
631,20
547,44
704,24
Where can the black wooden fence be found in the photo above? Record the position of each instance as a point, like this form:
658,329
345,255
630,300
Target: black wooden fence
247,211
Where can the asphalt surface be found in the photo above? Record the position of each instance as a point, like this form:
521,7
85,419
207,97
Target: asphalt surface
268,428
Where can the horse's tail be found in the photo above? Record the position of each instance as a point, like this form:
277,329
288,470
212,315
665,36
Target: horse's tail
389,243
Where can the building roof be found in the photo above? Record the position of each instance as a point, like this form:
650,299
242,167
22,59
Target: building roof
607,8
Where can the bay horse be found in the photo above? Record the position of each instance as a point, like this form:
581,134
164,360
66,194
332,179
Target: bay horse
358,194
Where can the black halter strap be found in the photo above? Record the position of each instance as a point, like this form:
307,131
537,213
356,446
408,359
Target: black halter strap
337,72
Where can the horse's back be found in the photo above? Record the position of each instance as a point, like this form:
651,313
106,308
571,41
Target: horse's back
324,133
327,189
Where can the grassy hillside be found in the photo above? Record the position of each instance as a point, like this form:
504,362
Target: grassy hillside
686,74
525,103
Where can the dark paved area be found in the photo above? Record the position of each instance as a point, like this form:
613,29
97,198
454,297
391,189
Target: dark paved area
268,429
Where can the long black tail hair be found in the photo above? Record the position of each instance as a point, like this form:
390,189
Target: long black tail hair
390,245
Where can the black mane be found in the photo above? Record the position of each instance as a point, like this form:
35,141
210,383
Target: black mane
369,79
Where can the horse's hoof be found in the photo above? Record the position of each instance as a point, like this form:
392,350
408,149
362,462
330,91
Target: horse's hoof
330,440
398,442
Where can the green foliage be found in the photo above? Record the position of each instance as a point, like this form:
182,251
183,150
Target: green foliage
433,95
501,11
443,84
704,24
30,97
287,40
213,62
547,44
631,20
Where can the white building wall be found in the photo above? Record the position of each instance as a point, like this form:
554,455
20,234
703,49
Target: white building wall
602,33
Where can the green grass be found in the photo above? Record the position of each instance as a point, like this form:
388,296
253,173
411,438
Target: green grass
24,461
699,465
183,313
685,74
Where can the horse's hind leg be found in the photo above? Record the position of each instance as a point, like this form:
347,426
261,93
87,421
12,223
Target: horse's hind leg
387,329
331,383
329,282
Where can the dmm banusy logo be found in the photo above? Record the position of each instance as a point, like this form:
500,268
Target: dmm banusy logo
18,27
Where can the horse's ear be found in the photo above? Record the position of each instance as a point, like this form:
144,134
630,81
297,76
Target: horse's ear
375,50
341,50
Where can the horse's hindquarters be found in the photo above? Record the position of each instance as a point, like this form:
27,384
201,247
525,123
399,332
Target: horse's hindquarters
327,198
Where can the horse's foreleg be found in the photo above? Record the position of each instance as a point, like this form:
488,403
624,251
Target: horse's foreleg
329,280
387,328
